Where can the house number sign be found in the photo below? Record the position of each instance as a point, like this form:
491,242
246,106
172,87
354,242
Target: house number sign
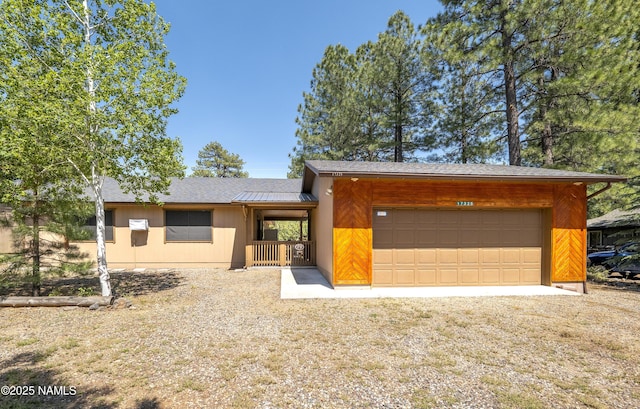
464,204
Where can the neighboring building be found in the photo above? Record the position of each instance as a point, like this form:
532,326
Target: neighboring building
372,224
614,228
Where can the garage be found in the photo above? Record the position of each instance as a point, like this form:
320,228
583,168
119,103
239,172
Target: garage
452,247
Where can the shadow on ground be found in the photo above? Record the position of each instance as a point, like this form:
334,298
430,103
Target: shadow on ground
123,283
29,383
26,384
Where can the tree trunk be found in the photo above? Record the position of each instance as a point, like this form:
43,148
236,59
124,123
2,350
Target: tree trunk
35,251
96,179
397,128
547,138
59,301
398,154
101,256
513,134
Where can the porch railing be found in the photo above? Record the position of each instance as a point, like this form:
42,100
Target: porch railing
281,253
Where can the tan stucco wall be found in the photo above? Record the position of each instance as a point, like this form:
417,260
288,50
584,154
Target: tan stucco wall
322,222
148,249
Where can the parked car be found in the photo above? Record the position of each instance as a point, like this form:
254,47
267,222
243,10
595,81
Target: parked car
627,267
604,257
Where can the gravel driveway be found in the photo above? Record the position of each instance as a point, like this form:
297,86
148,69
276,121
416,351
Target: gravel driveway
224,339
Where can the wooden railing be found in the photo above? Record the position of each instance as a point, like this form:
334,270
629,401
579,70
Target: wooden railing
281,253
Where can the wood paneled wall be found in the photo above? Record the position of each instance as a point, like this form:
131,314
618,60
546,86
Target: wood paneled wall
354,201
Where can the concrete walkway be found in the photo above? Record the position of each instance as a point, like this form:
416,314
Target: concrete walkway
300,283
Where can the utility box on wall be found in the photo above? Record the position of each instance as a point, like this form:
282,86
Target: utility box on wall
138,224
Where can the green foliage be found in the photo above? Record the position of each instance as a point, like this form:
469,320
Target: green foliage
289,230
597,274
89,87
85,292
540,82
42,230
368,105
575,83
216,161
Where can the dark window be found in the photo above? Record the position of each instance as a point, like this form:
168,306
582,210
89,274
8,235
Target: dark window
188,225
90,225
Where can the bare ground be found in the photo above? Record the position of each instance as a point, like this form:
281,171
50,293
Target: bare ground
214,338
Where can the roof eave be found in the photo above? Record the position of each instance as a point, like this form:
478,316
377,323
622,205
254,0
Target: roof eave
483,178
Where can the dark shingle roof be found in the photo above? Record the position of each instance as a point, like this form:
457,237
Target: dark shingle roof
616,218
448,171
207,190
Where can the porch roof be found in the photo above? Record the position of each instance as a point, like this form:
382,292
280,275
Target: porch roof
274,197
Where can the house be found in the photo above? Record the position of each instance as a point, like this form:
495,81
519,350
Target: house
613,228
371,224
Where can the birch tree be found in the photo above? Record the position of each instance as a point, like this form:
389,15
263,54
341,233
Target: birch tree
115,85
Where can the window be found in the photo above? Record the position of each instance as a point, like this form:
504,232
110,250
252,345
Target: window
188,225
90,225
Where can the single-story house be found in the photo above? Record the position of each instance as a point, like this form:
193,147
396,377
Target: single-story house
613,228
371,224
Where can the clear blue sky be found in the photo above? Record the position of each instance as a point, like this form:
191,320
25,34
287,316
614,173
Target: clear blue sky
247,63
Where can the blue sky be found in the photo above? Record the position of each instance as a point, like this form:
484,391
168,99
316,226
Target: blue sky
247,63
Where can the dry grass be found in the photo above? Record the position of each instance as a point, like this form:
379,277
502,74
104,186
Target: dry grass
224,339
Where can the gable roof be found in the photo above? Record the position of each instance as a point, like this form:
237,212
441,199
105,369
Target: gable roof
198,190
447,171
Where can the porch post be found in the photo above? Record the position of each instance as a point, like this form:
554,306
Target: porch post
282,254
249,255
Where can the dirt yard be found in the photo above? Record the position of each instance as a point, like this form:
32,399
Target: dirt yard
224,339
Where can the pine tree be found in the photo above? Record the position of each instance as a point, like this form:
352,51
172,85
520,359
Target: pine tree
216,161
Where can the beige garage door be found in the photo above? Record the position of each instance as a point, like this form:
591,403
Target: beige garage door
419,247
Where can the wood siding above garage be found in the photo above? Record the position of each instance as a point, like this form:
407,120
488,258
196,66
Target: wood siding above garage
355,200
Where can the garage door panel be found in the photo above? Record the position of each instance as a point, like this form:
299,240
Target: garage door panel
469,256
490,276
470,238
426,276
490,256
511,237
448,256
448,276
404,238
531,276
511,255
426,237
426,256
404,257
531,255
469,276
510,276
492,237
447,238
457,247
383,277
405,277
383,257
383,239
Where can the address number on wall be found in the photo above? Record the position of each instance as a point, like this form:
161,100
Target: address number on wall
464,204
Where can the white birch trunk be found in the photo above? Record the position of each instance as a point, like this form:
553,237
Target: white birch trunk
97,180
101,256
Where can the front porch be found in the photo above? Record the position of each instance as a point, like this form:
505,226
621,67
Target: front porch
278,229
281,253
